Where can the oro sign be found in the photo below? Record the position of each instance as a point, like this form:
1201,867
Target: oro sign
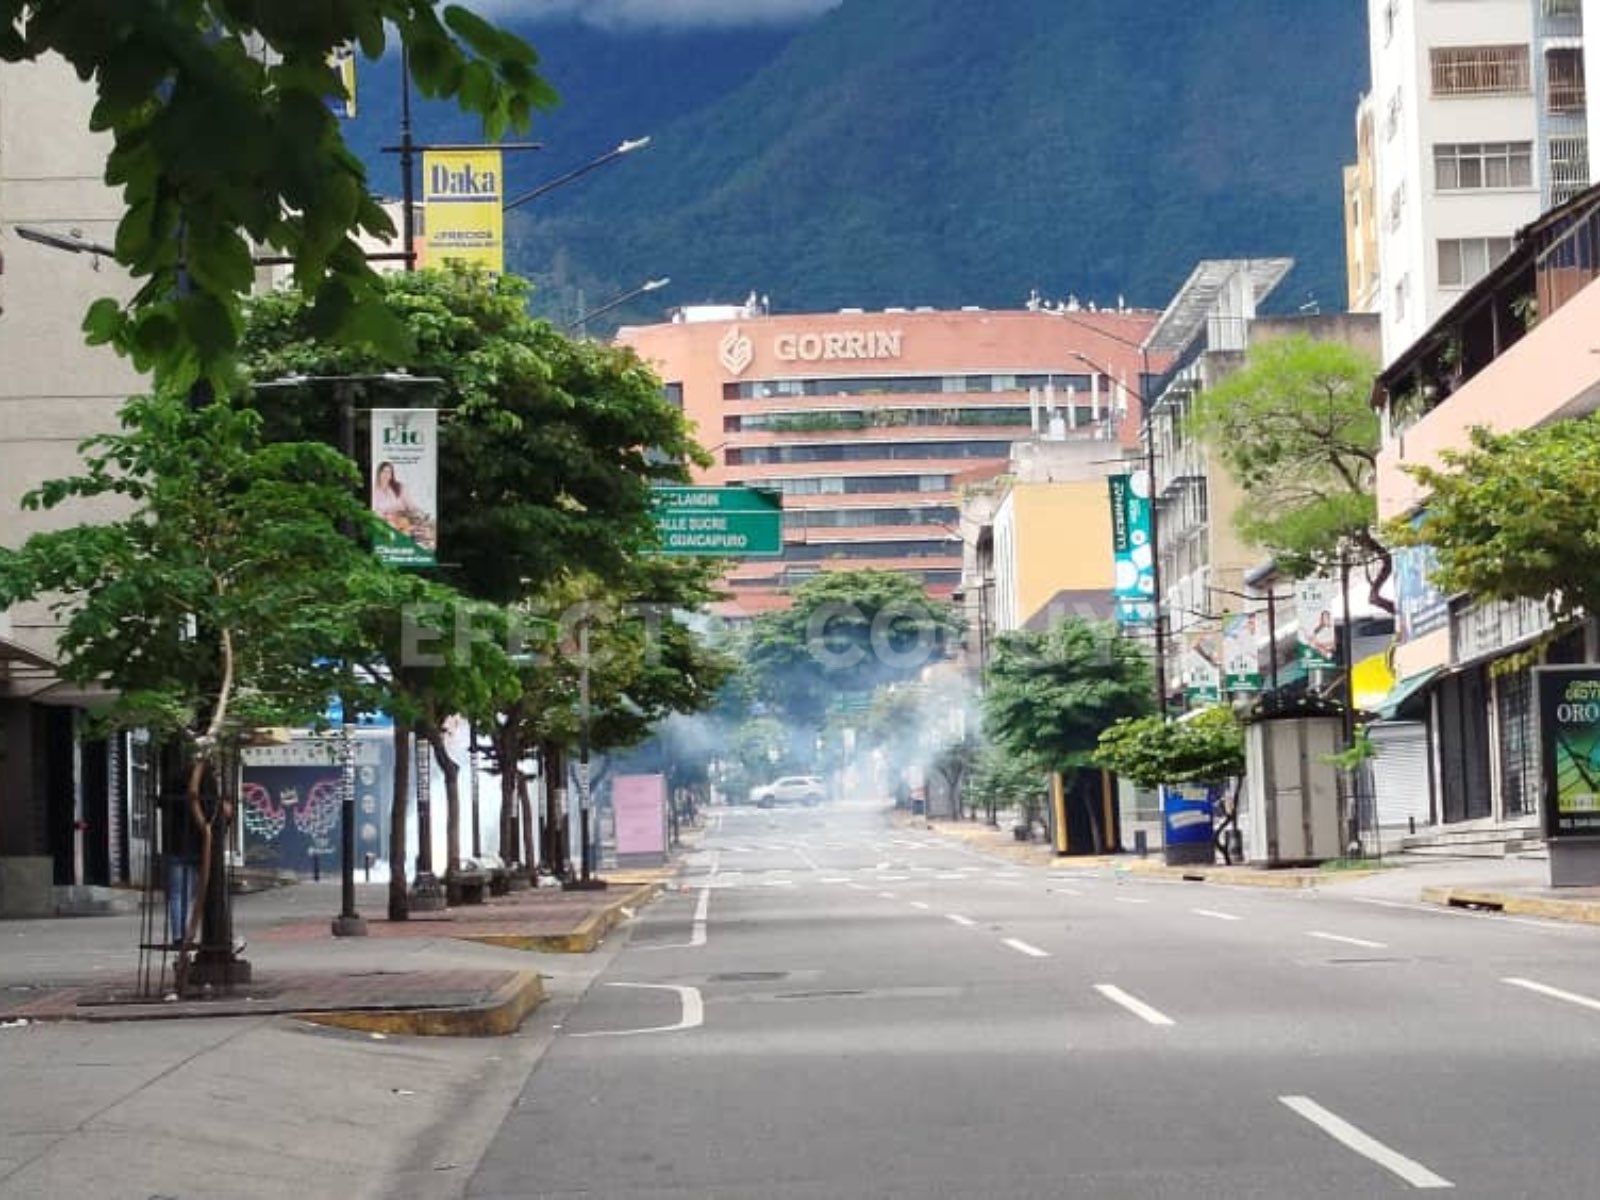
719,522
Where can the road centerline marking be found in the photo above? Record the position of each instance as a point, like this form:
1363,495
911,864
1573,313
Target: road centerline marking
1364,1144
1544,989
1022,947
1364,943
920,904
1215,915
968,922
1132,899
1133,1004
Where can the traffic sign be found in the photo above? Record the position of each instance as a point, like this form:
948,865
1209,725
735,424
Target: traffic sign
717,522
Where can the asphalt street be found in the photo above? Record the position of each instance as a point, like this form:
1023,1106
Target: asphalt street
834,1006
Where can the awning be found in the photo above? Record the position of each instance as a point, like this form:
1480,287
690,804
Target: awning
1405,695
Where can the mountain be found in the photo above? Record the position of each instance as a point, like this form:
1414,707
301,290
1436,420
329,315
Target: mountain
910,152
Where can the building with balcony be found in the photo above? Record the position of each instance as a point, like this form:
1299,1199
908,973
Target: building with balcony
1479,124
1516,350
867,422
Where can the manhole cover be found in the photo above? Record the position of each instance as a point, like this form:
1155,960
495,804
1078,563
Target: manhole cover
749,976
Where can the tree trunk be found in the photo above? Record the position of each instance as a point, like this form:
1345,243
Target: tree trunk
554,791
399,906
525,807
506,756
452,797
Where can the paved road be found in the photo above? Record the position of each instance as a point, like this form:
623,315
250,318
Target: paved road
835,1007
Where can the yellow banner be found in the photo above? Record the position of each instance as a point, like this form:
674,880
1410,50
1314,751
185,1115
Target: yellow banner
462,203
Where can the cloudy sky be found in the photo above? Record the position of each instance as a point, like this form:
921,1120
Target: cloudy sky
648,14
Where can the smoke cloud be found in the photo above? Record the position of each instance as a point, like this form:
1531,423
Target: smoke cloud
632,15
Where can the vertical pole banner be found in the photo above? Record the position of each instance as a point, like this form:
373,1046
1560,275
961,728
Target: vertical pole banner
1134,587
1318,637
1203,665
462,199
405,485
1241,666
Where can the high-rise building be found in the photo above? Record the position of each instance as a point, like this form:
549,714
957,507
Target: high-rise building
865,421
1479,125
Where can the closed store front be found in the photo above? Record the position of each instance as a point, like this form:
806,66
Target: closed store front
1400,774
1461,710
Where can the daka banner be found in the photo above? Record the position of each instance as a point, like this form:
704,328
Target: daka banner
1314,604
464,217
1569,749
405,485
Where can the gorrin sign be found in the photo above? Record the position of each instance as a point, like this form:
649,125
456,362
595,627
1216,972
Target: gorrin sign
847,344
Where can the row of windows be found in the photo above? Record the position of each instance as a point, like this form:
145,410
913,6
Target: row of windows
1471,165
788,576
817,551
850,485
865,452
1464,261
923,385
858,518
875,418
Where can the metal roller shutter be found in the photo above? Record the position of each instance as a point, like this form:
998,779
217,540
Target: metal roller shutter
1400,772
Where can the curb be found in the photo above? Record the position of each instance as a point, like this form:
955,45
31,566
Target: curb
1584,912
1242,876
582,940
500,1015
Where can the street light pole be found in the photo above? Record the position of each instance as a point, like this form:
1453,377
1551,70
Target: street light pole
1148,433
649,285
627,147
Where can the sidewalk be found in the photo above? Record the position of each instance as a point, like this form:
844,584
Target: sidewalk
1517,885
463,971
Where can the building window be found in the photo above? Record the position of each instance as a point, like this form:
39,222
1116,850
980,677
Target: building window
1397,204
1569,168
1402,293
1564,86
1391,12
1479,70
1464,261
1469,166
1391,120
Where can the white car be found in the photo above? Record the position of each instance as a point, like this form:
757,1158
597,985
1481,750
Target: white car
791,789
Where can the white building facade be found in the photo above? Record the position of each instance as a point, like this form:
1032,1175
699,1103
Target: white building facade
1479,114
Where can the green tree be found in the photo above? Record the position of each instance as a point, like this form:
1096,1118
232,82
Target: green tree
1516,516
1149,751
222,602
223,143
1296,430
846,634
1051,695
551,444
1001,779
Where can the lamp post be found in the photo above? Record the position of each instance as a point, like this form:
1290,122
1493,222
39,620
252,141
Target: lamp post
627,147
349,922
1148,433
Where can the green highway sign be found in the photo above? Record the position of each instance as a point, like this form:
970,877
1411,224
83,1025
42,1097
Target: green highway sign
717,522
717,499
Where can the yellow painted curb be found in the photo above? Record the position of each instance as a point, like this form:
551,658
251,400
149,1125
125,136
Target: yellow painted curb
503,1014
582,940
1244,876
1586,912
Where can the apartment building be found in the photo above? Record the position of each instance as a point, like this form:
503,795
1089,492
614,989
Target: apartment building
867,421
1479,124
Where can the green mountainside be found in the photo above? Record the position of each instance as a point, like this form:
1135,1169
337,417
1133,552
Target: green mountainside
911,152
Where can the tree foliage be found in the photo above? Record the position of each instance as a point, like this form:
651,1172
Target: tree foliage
1149,751
1295,428
847,633
1051,695
549,447
1516,516
223,144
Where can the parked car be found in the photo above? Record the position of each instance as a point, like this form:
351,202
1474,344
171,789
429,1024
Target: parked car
791,789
